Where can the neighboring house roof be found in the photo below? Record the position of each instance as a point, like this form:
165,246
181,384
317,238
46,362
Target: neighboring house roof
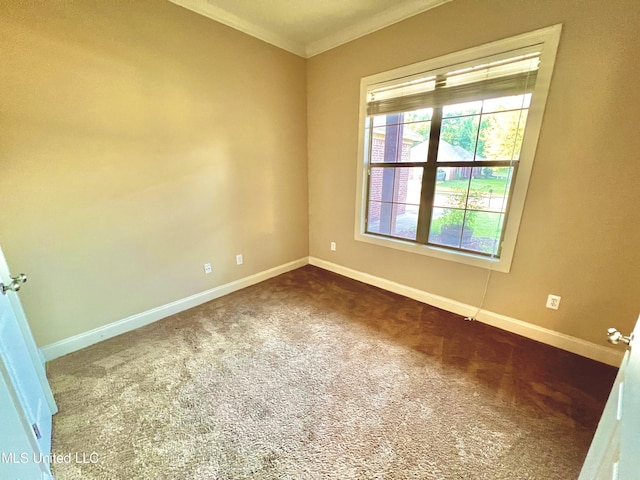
446,153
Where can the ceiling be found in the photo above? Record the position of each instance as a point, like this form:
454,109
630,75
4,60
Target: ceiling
308,27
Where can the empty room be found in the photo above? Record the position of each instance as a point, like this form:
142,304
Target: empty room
367,239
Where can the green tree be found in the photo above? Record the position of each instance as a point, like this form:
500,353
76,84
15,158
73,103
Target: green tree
491,136
462,131
502,135
419,121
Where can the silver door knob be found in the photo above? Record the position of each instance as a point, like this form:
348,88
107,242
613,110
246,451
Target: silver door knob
14,286
615,337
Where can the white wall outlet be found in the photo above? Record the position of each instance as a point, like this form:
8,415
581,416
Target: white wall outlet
207,268
239,259
333,246
553,302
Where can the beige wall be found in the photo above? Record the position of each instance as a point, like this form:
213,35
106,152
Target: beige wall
580,233
139,140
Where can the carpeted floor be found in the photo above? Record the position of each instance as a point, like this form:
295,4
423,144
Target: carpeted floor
314,376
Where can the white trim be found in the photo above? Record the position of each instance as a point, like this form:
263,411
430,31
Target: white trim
549,37
399,12
82,340
571,344
550,337
244,26
369,25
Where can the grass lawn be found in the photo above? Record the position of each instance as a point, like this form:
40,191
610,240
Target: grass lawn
485,225
481,185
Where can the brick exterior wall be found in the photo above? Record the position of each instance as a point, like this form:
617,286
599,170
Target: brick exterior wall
401,180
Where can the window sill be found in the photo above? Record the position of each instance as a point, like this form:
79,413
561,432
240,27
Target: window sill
497,265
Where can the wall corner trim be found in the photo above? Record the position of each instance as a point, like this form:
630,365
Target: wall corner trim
85,339
563,341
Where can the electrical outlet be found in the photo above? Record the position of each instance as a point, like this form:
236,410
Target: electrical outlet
207,268
553,302
239,259
333,246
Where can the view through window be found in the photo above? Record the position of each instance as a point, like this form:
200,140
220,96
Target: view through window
444,150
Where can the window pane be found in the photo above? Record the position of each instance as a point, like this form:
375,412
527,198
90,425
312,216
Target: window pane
446,226
421,115
420,151
414,185
501,135
462,109
452,185
406,221
384,144
458,138
450,201
489,188
514,102
379,211
394,196
469,207
393,138
467,229
417,133
382,121
482,232
394,219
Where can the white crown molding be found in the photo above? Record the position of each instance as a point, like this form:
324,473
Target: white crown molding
233,21
368,25
371,24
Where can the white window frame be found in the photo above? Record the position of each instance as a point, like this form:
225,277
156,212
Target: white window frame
549,37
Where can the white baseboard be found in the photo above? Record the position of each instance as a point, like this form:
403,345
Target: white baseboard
82,340
550,337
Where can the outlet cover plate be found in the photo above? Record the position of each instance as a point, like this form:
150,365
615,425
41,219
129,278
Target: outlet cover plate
553,302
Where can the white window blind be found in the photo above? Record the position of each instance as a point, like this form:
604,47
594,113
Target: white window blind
511,73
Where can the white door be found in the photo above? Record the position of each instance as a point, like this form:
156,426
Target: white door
615,450
26,401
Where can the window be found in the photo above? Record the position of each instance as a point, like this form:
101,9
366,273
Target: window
447,147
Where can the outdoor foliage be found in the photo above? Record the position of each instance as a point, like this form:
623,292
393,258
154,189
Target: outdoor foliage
463,131
463,209
495,135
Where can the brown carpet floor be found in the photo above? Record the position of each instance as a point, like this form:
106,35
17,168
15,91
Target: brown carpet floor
314,376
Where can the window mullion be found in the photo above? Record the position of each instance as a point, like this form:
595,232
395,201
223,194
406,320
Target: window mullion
429,178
